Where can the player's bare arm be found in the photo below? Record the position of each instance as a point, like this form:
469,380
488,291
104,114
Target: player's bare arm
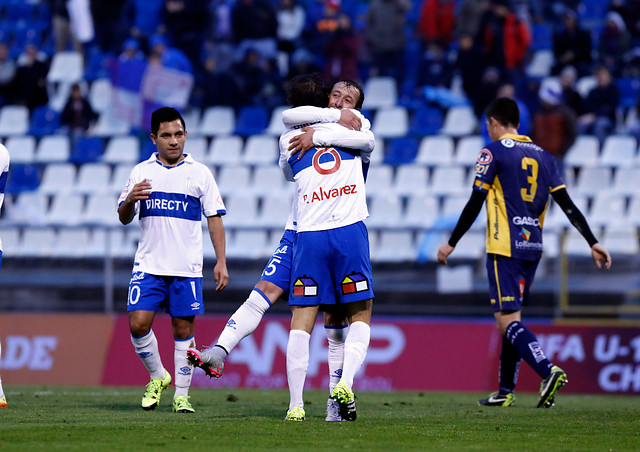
216,233
139,192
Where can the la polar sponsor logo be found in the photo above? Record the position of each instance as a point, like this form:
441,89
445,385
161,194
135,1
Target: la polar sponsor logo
328,165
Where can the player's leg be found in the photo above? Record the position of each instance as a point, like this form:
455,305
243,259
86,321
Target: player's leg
335,328
274,281
3,398
302,321
185,302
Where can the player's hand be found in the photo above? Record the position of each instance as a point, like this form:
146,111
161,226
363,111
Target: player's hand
300,144
601,256
221,276
140,191
444,252
349,120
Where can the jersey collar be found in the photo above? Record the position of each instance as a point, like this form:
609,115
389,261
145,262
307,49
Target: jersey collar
154,158
523,138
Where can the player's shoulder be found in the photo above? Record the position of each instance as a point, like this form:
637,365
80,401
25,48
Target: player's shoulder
4,153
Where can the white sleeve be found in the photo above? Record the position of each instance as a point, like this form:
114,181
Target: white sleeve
283,161
4,172
342,137
212,203
130,183
309,115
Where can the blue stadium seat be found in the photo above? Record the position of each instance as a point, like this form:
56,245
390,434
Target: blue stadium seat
97,66
87,150
20,11
629,90
252,120
23,178
541,36
44,121
426,120
400,151
146,150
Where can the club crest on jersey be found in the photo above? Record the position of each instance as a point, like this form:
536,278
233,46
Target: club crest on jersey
324,163
485,157
355,282
508,142
305,286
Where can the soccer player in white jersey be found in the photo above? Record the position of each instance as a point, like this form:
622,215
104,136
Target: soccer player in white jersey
4,173
331,264
275,279
170,192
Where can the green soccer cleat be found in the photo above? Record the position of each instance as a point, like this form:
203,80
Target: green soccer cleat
497,399
550,386
153,391
295,414
3,402
346,401
181,405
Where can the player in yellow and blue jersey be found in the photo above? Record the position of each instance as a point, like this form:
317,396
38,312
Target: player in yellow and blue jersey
516,177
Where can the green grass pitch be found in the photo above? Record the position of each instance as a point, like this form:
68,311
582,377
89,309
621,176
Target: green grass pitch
110,419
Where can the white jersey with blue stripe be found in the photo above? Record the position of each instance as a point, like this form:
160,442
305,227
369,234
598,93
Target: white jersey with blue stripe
330,190
171,219
4,174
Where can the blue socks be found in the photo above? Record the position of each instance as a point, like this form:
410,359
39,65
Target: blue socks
509,367
528,348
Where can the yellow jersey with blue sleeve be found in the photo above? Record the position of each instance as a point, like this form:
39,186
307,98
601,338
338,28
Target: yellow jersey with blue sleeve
517,176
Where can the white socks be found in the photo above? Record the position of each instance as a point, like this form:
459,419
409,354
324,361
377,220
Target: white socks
146,348
1,390
297,365
244,321
355,350
335,336
183,370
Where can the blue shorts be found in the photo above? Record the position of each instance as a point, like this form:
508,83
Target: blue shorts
509,281
177,295
331,267
278,269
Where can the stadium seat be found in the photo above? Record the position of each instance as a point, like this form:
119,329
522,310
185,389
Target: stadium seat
276,126
10,241
36,242
541,36
101,210
621,239
192,119
426,120
618,151
225,151
584,152
394,246
22,149
541,63
123,149
70,243
576,245
391,122
379,180
435,151
385,211
44,121
54,148
57,178
585,84
87,150
261,150
625,181
592,180
233,180
217,121
467,150
249,244
274,212
197,147
100,95
119,243
607,209
252,120
93,178
109,125
120,176
421,213
459,121
66,67
380,92
449,180
400,151
14,120
411,180
472,245
242,209
268,181
22,178
629,91
377,156
97,66
65,210
30,208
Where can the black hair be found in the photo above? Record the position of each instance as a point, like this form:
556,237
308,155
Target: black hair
356,85
165,114
505,111
307,89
